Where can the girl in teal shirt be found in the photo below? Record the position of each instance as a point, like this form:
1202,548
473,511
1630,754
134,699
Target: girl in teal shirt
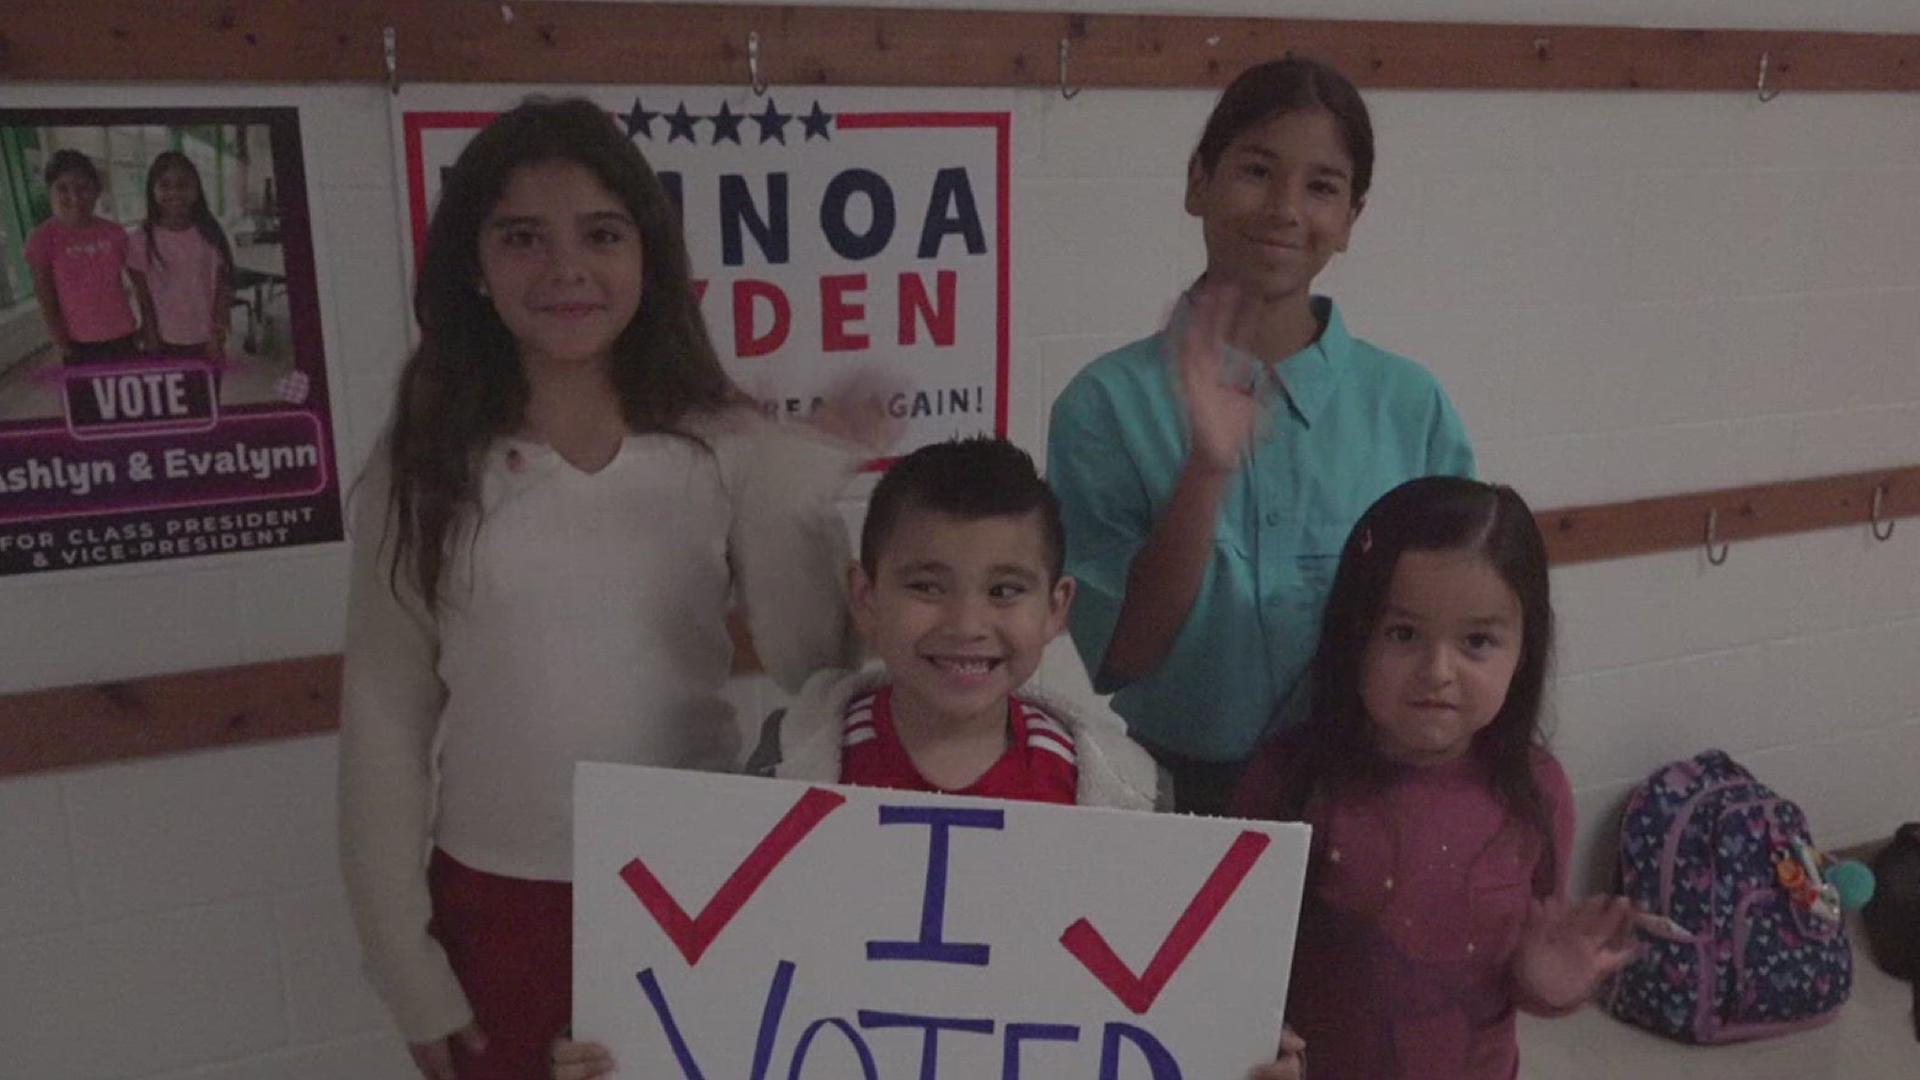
1209,473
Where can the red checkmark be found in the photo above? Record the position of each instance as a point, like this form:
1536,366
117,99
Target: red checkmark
693,935
1137,992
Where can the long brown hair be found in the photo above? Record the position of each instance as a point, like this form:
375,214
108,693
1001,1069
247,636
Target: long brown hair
464,385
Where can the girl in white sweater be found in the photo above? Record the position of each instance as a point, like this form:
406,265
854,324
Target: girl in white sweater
545,548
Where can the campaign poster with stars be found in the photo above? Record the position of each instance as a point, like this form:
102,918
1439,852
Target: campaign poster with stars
829,231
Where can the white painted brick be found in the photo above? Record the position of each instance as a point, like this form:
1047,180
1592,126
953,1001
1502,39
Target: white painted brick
1853,440
1633,611
1464,131
1606,131
349,138
366,1057
1852,216
1620,725
1565,374
36,891
371,308
368,400
168,616
327,996
1776,212
166,832
1110,220
1481,239
1118,133
133,998
1848,682
1691,457
1596,836
1586,255
1395,220
1845,578
1074,295
1902,343
1670,359
1854,789
1769,343
295,605
1474,360
361,224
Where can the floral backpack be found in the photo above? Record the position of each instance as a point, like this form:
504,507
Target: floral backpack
1755,944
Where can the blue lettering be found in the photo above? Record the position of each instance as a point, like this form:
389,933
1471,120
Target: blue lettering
867,1067
1019,1033
933,1025
833,214
933,910
1158,1059
950,211
737,209
763,1042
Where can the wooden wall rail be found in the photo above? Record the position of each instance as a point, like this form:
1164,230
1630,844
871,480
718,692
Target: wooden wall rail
82,725
542,41
1643,526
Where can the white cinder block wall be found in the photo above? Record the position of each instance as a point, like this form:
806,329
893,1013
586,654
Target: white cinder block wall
1626,294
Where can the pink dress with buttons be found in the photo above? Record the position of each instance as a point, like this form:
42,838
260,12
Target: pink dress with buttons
1414,906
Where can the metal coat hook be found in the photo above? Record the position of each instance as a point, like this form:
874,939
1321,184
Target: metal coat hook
1874,520
1066,52
754,79
1713,537
391,48
1766,95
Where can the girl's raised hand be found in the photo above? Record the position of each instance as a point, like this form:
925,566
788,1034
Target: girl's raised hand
855,410
435,1059
581,1060
1222,415
1566,951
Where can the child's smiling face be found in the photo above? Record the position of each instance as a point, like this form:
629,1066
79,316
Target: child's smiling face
960,610
1278,204
561,260
175,192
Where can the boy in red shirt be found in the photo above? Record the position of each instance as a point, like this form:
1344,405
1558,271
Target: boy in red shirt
958,591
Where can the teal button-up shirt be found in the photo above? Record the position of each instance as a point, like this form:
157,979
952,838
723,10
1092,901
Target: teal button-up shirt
1345,423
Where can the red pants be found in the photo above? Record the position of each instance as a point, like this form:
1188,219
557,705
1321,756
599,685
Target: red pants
510,941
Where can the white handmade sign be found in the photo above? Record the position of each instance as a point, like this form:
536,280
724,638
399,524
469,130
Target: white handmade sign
732,927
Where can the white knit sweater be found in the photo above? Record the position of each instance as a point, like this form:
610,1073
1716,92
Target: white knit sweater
584,620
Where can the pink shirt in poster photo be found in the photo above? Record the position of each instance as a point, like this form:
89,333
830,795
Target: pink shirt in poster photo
87,263
181,281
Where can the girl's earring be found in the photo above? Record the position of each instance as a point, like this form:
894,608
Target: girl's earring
481,288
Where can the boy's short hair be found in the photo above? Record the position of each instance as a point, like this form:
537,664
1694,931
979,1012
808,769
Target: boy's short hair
69,160
978,477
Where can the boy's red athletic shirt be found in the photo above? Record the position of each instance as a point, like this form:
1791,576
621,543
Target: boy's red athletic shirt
1038,766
